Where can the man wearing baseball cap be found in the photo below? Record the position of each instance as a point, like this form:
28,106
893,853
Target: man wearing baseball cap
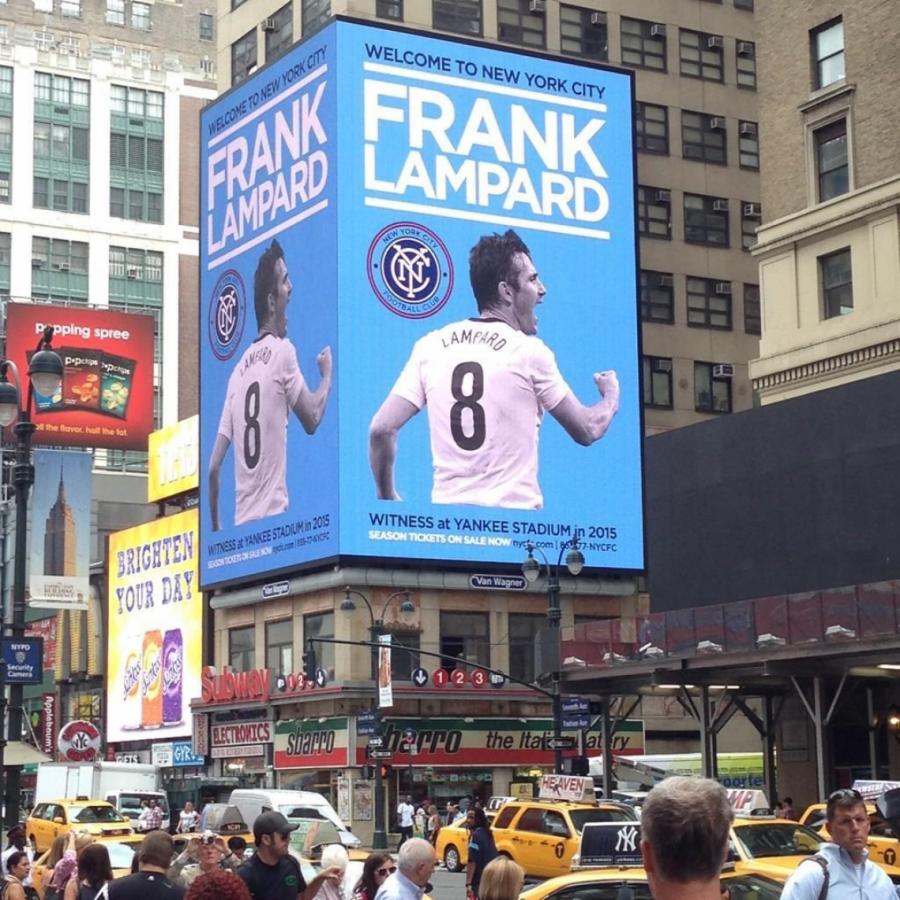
16,836
272,873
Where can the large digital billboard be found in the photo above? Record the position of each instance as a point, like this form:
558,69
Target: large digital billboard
106,395
419,331
155,629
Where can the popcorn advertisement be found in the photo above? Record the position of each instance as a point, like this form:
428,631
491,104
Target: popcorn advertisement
106,395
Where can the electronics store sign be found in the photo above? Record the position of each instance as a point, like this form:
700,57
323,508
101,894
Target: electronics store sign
240,732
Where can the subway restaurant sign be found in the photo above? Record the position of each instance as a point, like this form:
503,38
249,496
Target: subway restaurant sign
311,743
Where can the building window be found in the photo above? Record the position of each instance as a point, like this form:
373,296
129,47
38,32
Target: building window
243,57
5,261
752,310
465,636
751,214
836,276
583,32
748,144
516,24
279,32
458,16
43,6
657,297
70,8
655,212
832,168
712,388
6,109
140,16
745,62
827,44
703,137
280,646
115,12
706,220
643,44
405,658
321,625
657,382
135,276
242,648
701,55
524,632
652,128
136,145
708,303
314,14
207,27
389,9
743,4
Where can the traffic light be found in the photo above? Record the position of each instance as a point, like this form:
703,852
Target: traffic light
385,771
309,663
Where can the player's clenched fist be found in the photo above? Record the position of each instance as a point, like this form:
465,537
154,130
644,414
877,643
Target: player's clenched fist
607,382
323,360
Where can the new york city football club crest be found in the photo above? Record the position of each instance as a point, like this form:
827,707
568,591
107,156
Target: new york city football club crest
410,270
227,312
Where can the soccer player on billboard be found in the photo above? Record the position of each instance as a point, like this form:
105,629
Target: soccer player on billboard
264,387
486,382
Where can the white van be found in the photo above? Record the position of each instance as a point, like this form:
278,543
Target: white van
292,805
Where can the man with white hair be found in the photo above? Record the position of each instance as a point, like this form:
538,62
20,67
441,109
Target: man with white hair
415,863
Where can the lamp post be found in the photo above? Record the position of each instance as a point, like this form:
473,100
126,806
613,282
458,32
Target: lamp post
376,629
45,372
531,569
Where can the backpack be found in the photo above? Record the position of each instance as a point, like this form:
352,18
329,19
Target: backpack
823,863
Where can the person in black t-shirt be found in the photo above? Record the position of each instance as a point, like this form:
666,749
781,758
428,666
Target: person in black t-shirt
150,882
272,873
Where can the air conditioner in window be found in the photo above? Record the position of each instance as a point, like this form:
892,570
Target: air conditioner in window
723,288
714,41
267,25
745,48
658,30
537,6
717,123
663,196
748,128
63,266
723,370
752,211
666,281
132,272
662,365
720,206
598,18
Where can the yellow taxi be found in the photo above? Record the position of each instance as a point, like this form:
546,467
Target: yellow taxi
53,817
766,845
615,883
121,853
883,847
543,835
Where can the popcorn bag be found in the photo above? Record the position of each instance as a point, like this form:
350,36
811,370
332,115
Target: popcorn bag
81,378
115,384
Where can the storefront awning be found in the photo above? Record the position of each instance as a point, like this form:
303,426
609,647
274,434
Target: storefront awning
18,753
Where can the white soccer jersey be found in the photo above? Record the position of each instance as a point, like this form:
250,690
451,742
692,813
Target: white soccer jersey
486,387
262,390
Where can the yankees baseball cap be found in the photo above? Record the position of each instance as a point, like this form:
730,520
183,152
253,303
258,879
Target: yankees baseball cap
271,822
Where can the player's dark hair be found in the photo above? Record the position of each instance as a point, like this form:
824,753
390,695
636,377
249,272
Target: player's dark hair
491,261
264,281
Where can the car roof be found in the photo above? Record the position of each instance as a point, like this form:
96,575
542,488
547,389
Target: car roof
566,804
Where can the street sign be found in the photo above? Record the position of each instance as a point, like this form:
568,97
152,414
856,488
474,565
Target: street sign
23,658
575,705
419,677
321,677
440,677
562,743
479,678
458,677
376,742
380,754
576,723
496,679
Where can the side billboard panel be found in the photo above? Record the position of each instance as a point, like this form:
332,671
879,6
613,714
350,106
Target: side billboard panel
268,306
501,402
106,396
155,629
60,529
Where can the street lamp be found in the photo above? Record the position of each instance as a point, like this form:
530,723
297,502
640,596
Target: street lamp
45,372
376,629
531,569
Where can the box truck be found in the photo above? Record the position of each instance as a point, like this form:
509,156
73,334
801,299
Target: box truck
124,785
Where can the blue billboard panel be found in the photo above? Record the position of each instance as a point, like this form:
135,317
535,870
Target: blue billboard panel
456,258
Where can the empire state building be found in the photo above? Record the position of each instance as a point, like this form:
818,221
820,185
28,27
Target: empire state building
59,536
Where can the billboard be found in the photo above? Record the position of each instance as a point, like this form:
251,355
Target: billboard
60,529
106,396
173,460
361,395
155,629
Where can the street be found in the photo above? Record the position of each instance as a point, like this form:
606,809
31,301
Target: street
448,885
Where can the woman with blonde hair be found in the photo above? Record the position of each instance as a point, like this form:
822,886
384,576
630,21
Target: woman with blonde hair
66,865
502,879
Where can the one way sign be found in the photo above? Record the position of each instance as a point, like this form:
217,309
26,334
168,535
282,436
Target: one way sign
419,677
